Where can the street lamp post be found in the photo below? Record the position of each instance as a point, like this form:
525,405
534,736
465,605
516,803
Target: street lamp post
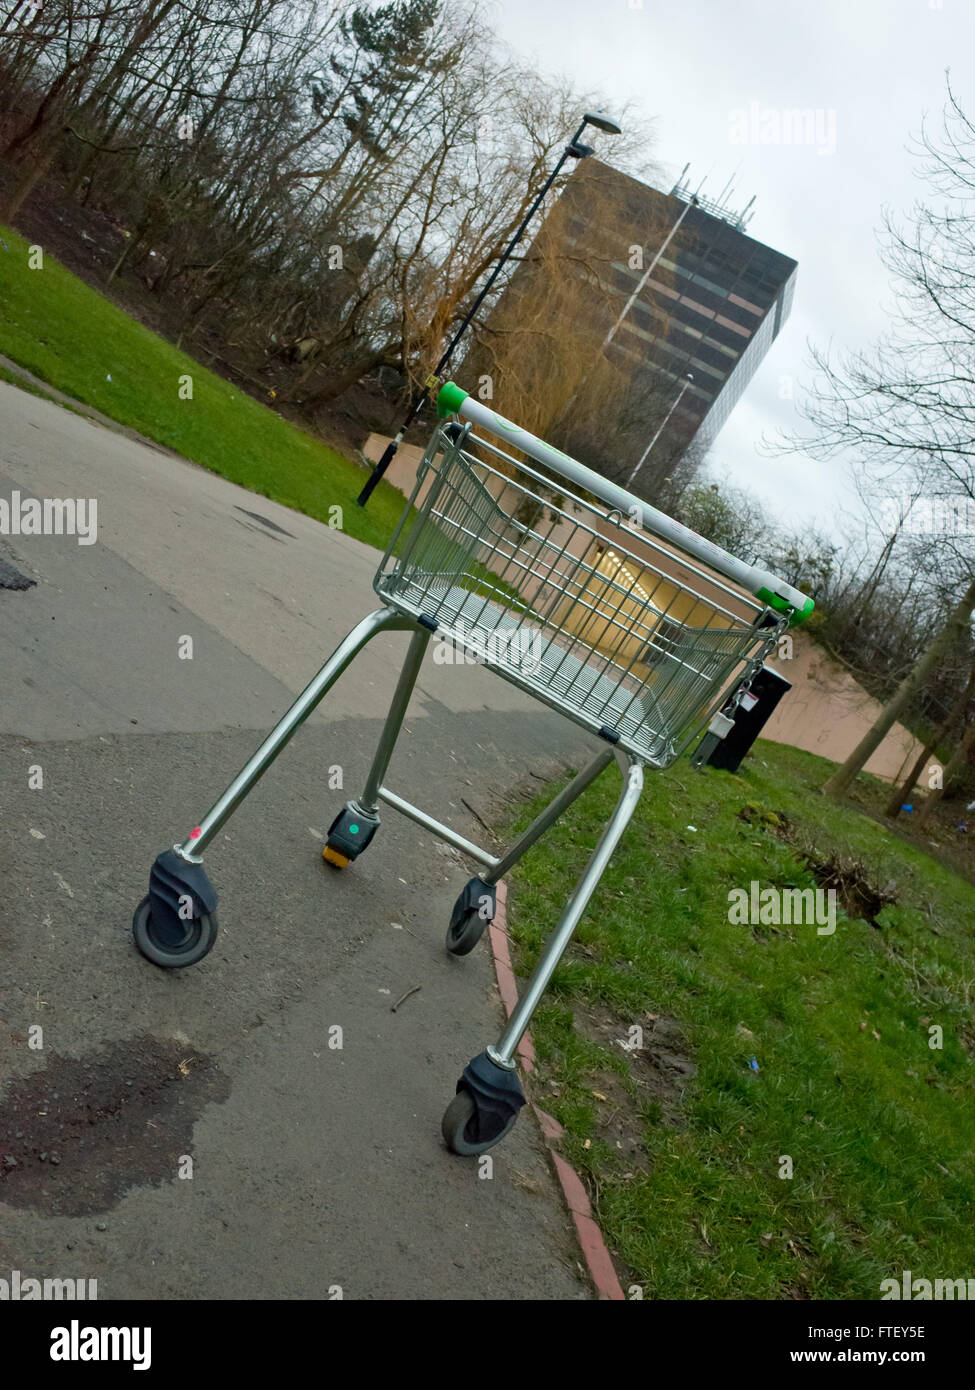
663,425
574,150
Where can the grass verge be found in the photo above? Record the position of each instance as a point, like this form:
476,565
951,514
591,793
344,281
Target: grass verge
53,324
761,1043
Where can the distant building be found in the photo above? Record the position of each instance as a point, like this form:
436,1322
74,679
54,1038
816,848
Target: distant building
712,306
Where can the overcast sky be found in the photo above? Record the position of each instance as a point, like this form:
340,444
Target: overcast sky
870,69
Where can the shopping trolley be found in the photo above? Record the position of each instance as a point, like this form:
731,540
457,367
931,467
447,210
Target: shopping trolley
576,592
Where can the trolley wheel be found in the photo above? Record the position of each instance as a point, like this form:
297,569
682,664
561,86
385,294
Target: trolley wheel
162,949
473,910
459,1127
465,932
349,834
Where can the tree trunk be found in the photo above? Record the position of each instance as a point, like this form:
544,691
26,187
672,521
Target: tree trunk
125,255
959,756
902,697
25,185
943,730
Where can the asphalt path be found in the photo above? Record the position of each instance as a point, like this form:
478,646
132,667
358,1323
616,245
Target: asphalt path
298,1153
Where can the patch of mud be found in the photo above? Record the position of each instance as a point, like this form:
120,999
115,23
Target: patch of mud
661,1070
76,1136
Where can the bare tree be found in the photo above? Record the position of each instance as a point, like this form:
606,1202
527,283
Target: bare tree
906,407
320,185
956,762
904,789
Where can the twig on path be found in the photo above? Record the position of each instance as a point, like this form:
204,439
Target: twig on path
415,990
477,815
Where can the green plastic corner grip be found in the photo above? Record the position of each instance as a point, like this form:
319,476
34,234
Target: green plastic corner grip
450,399
799,615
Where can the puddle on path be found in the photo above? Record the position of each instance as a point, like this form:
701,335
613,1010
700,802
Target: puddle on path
77,1135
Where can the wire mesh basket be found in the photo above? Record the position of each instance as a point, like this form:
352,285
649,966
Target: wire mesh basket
567,600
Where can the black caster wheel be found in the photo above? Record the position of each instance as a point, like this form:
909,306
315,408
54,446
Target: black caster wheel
460,1126
169,948
473,910
348,835
463,935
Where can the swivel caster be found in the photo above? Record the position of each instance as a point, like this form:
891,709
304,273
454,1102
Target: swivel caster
473,910
173,949
484,1109
348,835
175,925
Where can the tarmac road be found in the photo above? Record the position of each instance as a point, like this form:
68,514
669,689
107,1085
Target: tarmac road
280,1165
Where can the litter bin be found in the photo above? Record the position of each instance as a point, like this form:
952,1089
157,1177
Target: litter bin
749,719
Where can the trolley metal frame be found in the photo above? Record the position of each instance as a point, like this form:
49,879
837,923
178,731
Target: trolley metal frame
629,638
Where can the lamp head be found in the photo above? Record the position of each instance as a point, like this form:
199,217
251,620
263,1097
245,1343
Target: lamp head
603,122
